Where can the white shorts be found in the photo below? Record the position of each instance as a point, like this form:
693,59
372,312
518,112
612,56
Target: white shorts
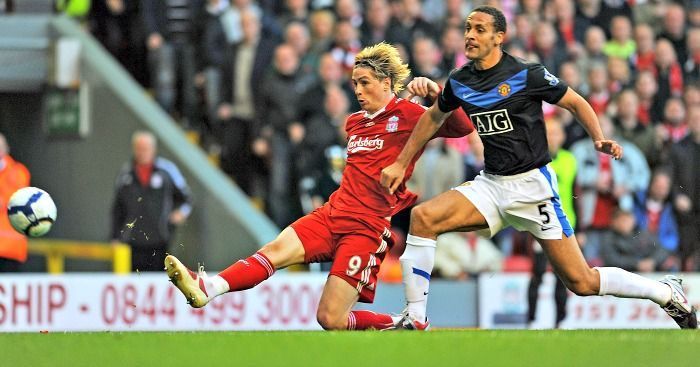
527,201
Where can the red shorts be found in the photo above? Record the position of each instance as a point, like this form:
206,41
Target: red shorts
356,243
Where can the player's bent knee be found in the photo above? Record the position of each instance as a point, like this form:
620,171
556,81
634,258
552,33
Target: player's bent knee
330,321
583,284
420,220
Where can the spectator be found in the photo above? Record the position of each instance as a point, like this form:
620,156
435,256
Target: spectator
151,199
643,59
13,176
455,11
693,13
532,10
220,27
296,34
295,11
649,109
673,128
571,32
605,184
598,93
674,24
587,15
625,247
408,21
171,39
593,44
570,73
346,45
452,42
610,9
321,26
522,35
654,211
620,44
244,66
376,27
692,65
115,23
278,112
426,60
691,95
349,10
684,160
628,127
323,128
330,74
669,73
619,73
548,47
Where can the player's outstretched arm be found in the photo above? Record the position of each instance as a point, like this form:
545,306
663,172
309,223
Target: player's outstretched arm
429,122
584,113
456,124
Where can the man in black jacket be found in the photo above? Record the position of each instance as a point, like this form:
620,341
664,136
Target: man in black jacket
685,159
151,198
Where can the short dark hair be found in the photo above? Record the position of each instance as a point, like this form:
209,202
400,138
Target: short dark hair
499,20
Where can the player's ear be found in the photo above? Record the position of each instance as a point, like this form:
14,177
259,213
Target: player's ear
386,84
500,36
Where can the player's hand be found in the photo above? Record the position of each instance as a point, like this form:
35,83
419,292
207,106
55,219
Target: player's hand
610,147
423,87
392,177
177,217
683,203
155,40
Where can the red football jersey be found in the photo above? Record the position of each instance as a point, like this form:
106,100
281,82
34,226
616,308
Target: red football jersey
373,143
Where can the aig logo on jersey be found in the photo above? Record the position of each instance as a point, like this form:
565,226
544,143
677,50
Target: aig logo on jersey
492,122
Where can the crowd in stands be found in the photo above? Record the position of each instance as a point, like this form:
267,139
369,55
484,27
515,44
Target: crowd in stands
266,85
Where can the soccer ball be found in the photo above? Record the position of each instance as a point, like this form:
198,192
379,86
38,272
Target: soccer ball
31,211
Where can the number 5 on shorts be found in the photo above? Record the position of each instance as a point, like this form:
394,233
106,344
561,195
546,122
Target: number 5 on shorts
543,213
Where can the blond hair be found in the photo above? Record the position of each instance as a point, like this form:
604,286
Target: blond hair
385,61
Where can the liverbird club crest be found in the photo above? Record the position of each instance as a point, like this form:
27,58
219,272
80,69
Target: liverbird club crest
393,124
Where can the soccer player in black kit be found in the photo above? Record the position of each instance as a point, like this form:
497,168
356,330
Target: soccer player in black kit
503,96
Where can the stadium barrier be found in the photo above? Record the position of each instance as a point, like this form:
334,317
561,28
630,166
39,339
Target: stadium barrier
56,251
503,305
148,302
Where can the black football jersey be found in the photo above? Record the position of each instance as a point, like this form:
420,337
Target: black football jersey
505,104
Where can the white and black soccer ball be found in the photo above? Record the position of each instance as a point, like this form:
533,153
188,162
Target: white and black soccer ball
31,211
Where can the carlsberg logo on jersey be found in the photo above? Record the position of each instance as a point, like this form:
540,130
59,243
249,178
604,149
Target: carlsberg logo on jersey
356,144
492,122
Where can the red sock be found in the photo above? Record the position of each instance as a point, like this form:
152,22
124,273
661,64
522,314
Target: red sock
248,273
363,320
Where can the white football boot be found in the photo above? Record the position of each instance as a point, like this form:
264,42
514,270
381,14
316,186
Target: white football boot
188,282
679,308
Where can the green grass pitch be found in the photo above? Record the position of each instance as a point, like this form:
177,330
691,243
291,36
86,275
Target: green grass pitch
590,348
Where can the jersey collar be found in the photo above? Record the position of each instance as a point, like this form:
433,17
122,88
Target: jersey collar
379,112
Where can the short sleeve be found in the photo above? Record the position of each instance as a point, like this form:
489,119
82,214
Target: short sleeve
447,101
543,85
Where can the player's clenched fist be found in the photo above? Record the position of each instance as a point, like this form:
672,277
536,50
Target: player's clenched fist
423,87
392,177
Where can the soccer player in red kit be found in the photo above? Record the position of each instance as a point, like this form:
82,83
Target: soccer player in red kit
352,228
